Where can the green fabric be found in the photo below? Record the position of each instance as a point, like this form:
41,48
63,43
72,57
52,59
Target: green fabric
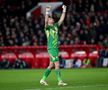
58,74
46,74
86,61
53,53
52,35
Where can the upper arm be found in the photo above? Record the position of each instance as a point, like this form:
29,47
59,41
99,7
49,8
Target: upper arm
61,18
46,20
60,22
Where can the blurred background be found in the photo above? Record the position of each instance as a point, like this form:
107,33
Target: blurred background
83,37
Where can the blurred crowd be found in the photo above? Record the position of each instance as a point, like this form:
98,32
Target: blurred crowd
17,64
86,22
87,62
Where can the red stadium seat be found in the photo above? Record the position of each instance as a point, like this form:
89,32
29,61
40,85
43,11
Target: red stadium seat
27,57
42,60
9,56
0,57
80,54
93,56
64,54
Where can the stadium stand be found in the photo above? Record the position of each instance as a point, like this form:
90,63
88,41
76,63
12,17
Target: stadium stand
86,23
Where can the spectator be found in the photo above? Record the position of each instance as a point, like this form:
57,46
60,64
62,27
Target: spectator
19,64
86,63
76,63
0,64
62,62
5,64
86,23
102,61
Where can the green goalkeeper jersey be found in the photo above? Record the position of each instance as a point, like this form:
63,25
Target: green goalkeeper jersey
52,35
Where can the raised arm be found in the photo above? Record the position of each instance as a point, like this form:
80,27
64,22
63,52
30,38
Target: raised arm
47,13
63,15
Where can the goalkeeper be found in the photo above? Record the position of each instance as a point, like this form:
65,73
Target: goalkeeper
51,31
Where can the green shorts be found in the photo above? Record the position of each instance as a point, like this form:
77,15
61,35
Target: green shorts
53,53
